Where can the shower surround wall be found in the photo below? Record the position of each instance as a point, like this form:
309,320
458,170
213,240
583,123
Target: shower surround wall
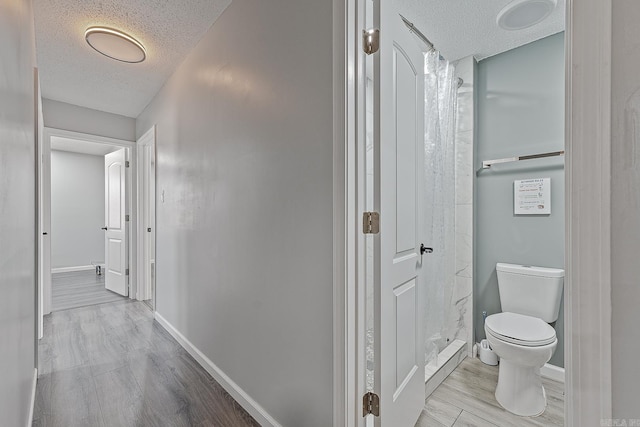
460,318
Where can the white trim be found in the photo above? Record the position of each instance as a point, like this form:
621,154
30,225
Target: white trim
32,404
345,380
39,127
87,137
250,405
70,269
587,292
354,152
552,372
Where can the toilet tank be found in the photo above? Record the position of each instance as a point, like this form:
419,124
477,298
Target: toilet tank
534,291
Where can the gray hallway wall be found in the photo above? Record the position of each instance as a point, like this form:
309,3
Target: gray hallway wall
245,203
520,111
77,209
17,211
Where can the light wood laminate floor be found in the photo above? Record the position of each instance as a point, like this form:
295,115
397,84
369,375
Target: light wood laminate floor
79,289
466,398
113,365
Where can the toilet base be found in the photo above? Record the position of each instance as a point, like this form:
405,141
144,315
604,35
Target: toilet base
520,389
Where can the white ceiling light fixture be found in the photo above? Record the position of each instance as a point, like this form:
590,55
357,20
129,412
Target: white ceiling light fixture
115,44
521,14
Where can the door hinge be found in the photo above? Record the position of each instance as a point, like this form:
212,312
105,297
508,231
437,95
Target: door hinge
126,272
127,164
370,40
370,222
371,405
126,217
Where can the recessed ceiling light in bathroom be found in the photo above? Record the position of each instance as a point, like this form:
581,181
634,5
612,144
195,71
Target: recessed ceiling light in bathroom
115,44
520,14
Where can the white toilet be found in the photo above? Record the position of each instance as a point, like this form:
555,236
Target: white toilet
521,335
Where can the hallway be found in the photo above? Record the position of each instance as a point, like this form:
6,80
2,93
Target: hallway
113,365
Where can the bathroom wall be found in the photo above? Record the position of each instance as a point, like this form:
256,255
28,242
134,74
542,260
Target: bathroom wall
17,211
245,203
77,209
60,115
625,210
520,110
460,316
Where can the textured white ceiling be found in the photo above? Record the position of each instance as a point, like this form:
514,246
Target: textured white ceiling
71,71
459,28
83,147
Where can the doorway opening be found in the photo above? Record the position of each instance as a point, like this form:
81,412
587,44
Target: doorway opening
96,194
430,119
88,223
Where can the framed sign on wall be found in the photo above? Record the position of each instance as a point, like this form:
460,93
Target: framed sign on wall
532,196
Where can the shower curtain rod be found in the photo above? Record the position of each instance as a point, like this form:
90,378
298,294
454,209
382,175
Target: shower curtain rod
424,38
418,33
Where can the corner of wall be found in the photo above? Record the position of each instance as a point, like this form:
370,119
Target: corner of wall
464,184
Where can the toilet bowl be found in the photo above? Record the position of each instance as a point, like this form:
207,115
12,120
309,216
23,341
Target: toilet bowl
524,344
521,335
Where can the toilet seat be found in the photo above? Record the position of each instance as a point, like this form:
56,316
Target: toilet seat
520,329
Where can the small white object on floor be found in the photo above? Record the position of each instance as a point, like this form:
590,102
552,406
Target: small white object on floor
486,354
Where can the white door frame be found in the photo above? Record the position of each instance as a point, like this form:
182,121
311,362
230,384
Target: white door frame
39,130
587,290
349,89
143,274
45,208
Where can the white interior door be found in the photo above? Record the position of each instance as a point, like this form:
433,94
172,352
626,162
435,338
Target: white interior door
45,223
146,216
399,107
116,279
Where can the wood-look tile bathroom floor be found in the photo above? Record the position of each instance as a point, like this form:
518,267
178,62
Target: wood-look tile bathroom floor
466,398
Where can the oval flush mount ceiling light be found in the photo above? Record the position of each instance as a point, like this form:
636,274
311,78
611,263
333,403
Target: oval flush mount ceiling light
520,14
115,44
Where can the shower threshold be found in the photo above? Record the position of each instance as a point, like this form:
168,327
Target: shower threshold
436,371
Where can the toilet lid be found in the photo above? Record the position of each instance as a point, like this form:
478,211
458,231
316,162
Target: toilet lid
520,329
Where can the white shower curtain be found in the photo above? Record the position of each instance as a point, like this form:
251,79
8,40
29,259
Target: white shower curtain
438,272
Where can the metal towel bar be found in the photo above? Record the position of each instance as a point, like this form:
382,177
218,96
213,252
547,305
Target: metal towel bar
488,163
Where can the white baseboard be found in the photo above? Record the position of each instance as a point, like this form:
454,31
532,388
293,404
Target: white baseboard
552,372
70,269
250,405
33,398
